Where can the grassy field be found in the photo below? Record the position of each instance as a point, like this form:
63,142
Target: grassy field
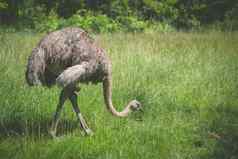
187,83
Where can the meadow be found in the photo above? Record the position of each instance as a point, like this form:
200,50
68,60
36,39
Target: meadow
186,81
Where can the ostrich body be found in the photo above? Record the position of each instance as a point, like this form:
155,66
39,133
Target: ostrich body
67,57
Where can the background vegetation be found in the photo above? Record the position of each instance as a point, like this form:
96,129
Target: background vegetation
115,15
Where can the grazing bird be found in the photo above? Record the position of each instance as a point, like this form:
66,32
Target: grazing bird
67,57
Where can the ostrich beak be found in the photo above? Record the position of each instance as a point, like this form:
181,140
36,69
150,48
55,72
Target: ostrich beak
140,109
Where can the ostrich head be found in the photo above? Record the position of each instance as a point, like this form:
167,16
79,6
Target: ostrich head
135,105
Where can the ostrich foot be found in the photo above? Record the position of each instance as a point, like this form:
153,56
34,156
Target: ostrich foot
88,132
84,125
52,134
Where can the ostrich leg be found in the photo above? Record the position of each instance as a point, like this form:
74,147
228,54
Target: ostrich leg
83,124
62,99
69,78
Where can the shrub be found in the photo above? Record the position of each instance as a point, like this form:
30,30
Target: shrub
131,23
48,23
88,21
95,23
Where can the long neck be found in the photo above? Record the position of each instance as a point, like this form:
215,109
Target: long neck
107,92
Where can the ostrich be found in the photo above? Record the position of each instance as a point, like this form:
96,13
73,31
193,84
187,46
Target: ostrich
67,57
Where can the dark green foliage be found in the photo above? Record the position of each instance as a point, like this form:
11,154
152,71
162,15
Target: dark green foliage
97,23
111,15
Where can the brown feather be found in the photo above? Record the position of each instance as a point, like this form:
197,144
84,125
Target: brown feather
62,49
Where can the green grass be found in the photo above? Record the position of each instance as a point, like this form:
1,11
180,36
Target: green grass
187,83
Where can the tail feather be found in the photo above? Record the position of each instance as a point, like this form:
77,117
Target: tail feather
35,67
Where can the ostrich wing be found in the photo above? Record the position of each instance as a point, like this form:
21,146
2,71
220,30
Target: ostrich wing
72,75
